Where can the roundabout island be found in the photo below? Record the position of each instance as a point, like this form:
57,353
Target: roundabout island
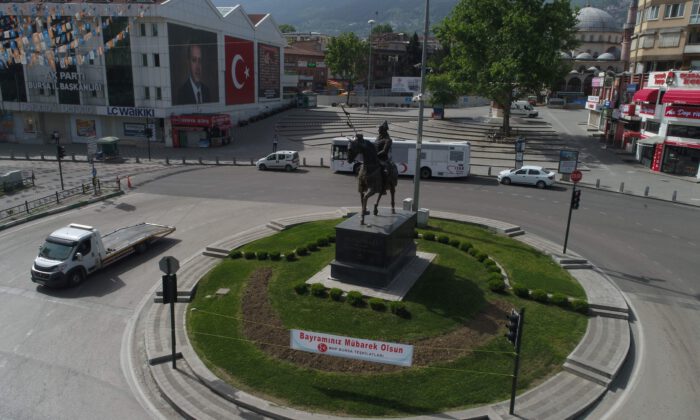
250,301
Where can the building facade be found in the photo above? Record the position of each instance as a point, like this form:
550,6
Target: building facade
188,70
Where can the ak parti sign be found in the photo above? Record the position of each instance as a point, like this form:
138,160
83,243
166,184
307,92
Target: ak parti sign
677,111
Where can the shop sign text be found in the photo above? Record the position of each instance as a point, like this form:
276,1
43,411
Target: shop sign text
648,109
126,111
682,112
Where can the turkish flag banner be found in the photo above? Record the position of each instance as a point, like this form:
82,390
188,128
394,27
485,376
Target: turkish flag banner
240,71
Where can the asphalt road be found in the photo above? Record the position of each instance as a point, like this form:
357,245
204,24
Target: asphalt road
63,353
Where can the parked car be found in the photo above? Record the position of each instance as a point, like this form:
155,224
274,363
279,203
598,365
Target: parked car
522,108
283,159
529,175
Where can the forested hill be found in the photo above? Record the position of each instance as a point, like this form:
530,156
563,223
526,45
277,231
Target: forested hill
333,17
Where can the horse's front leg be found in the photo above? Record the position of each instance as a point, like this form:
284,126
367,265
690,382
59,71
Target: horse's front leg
393,211
363,201
376,205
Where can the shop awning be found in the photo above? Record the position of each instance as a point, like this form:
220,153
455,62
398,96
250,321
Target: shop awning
650,141
646,95
679,96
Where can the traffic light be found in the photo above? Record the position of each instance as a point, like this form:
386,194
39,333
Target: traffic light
575,199
60,152
513,326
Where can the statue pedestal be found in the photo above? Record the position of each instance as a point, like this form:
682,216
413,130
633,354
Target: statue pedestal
372,254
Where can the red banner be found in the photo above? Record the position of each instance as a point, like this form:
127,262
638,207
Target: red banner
240,71
658,154
207,121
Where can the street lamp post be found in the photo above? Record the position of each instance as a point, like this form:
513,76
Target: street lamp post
419,139
369,72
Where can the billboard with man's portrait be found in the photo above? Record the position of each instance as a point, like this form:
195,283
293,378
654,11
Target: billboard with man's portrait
194,74
268,72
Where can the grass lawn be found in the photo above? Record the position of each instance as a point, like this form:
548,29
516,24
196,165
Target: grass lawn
451,292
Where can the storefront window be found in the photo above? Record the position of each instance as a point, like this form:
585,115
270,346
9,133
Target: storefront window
686,131
651,126
681,161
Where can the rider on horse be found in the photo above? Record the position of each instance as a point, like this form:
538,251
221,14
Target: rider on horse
383,145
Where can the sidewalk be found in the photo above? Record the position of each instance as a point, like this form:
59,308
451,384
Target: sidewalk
590,368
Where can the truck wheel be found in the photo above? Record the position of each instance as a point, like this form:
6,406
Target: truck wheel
76,277
506,181
425,173
288,168
541,184
262,167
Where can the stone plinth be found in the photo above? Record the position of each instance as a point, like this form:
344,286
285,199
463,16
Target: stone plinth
373,253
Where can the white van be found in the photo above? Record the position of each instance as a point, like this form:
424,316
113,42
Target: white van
283,159
522,108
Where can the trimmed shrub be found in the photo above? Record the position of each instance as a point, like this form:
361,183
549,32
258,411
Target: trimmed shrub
301,251
443,239
493,269
377,304
262,255
496,276
481,256
312,247
355,298
560,299
540,296
488,262
290,256
249,255
580,306
301,288
473,251
322,242
318,290
497,286
429,236
466,246
275,256
454,243
521,291
336,294
235,254
399,309
331,239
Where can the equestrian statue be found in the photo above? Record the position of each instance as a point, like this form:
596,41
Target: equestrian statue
378,173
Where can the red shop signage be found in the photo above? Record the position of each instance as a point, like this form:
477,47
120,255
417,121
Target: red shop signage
677,111
648,109
220,120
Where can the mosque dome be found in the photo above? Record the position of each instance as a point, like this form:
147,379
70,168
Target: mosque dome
606,57
584,56
591,19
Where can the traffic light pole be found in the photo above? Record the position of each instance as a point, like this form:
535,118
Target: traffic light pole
568,222
58,157
516,368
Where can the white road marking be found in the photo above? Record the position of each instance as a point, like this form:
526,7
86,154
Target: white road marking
692,243
657,230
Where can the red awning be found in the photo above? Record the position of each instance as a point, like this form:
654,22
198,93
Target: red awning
680,96
646,95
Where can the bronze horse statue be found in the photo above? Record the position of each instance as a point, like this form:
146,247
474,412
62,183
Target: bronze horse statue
370,179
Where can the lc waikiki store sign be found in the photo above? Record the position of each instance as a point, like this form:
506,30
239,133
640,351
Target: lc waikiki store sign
352,348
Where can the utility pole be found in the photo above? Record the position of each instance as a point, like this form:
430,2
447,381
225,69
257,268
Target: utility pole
419,139
369,71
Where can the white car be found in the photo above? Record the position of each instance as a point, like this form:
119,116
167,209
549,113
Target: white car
283,159
529,175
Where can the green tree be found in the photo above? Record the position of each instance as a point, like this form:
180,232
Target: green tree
286,28
442,90
382,28
346,57
499,46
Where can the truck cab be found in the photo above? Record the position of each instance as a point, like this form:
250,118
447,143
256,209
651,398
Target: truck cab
68,255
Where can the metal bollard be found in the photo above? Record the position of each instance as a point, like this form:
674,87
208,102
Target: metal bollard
183,160
200,160
234,161
217,160
489,171
57,201
83,187
646,191
675,193
72,155
622,187
26,205
322,162
167,160
597,183
42,156
303,161
26,155
12,154
137,160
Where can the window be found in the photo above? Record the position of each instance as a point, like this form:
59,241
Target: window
671,39
653,12
695,12
456,156
156,60
647,41
144,60
159,93
143,29
154,29
521,172
694,37
533,172
674,10
340,152
687,131
652,126
84,247
639,17
146,93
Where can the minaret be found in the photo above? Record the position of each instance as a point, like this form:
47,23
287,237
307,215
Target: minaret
628,30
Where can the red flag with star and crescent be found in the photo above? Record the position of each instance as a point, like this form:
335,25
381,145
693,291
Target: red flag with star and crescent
240,71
